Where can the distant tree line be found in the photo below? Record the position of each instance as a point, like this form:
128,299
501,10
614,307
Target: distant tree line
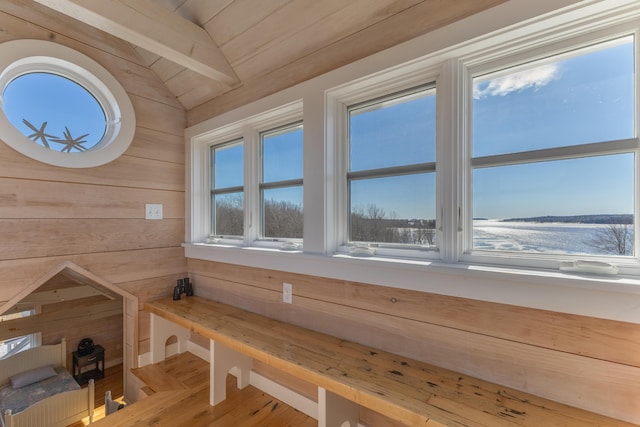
371,224
229,215
281,218
285,219
578,219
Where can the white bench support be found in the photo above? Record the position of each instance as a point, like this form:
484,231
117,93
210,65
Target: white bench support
334,410
223,359
161,330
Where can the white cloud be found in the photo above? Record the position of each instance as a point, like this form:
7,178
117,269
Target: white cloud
535,77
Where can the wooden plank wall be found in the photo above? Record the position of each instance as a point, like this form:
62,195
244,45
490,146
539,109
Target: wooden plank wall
270,51
99,318
95,217
590,363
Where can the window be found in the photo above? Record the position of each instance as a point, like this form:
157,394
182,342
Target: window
60,107
12,346
32,103
391,176
527,157
554,154
251,172
227,189
281,182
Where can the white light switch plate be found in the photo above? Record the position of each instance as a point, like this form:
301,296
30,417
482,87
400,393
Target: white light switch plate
153,211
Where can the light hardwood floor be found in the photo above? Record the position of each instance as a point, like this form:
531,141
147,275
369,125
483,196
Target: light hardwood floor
180,397
112,381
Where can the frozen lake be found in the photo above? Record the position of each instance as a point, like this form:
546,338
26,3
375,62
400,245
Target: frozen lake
537,237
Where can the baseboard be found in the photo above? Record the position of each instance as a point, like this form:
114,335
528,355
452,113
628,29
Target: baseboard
113,362
201,352
171,349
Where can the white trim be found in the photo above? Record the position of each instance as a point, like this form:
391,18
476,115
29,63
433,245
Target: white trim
614,298
144,359
198,171
20,56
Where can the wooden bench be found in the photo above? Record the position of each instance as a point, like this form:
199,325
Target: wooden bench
348,374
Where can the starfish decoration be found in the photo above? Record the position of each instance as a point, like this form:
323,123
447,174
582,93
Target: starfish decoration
39,134
70,142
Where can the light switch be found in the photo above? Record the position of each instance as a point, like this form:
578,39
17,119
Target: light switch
153,211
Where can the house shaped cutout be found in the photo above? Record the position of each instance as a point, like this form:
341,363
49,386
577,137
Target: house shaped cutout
87,299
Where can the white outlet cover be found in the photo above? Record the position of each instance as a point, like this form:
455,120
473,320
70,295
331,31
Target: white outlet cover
287,293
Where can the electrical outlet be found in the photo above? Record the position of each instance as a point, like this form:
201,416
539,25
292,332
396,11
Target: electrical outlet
153,211
287,293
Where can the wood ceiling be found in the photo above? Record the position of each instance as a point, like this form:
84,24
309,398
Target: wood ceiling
215,55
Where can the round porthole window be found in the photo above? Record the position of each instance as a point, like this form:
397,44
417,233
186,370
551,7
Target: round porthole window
60,107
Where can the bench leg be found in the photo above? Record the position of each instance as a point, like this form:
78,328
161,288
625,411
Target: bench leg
223,359
334,410
161,330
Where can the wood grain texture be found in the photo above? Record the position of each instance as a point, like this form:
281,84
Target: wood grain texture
35,199
55,237
178,396
94,217
126,171
403,389
495,342
153,144
123,64
404,25
608,340
149,25
115,267
320,24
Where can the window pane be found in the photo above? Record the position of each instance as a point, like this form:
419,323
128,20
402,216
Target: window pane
282,212
582,206
584,97
229,214
282,155
395,132
11,346
397,209
54,112
228,166
282,161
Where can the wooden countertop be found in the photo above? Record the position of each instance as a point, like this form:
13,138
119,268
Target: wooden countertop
403,389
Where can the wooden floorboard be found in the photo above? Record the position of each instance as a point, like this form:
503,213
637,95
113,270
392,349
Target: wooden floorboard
181,399
113,380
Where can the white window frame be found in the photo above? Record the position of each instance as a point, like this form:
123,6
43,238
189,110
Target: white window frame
284,243
248,131
20,57
479,66
215,236
445,54
338,102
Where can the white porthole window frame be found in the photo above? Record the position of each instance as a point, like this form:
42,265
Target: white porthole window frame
21,57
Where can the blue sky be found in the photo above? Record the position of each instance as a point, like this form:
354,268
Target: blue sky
398,134
43,97
579,100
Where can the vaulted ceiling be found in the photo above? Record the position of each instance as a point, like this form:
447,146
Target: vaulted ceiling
215,55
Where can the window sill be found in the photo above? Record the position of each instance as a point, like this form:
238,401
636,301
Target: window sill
609,297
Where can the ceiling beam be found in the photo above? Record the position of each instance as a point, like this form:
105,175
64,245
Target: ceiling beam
146,24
